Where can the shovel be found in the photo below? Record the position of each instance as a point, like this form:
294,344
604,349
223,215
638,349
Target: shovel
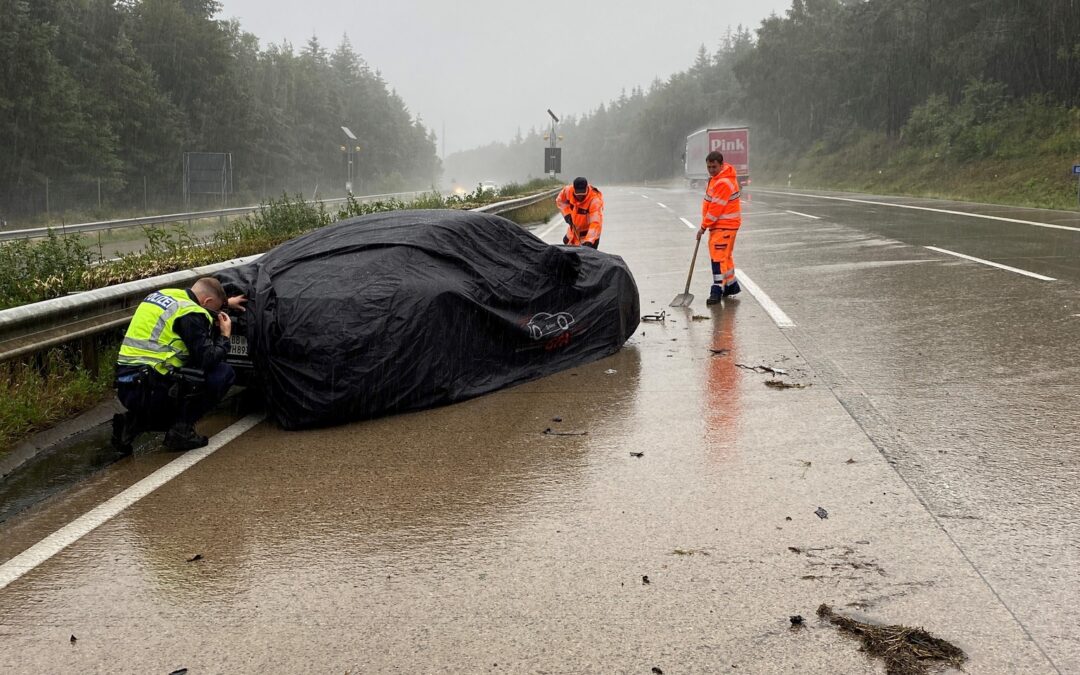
686,297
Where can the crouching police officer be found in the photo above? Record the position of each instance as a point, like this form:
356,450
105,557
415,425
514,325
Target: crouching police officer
171,369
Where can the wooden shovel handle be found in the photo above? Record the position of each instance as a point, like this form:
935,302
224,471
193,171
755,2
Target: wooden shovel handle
692,261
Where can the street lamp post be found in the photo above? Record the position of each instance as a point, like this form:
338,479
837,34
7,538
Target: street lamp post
350,149
553,154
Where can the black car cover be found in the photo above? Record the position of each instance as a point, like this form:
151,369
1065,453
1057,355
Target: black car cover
411,309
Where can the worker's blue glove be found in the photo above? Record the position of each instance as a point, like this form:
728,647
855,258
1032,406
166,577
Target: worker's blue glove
565,239
568,219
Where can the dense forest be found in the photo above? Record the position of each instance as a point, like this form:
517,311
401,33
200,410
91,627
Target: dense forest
100,99
959,80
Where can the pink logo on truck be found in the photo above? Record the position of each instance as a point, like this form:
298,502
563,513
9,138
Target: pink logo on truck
734,144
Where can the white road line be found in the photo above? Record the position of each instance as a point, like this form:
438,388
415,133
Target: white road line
927,208
804,215
663,206
646,197
548,231
29,559
992,264
689,224
781,319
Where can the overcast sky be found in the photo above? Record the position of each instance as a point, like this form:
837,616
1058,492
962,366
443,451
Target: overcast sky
485,68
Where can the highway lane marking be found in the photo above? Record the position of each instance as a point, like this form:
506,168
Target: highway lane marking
646,197
56,542
661,205
992,264
927,208
804,215
781,319
548,231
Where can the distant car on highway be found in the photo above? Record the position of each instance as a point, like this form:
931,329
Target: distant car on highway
489,186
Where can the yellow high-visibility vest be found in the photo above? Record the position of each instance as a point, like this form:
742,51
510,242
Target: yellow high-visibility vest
151,338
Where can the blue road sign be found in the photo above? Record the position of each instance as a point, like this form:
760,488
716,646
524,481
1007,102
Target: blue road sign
1076,168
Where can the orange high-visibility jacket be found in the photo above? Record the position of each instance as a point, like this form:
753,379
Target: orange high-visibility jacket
720,209
587,215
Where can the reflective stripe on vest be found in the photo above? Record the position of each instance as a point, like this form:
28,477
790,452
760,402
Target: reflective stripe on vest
151,338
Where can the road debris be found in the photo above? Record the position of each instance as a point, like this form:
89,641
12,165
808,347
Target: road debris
780,384
645,579
720,352
763,369
806,467
821,513
794,549
850,461
796,621
661,317
637,454
700,317
179,671
556,419
689,551
905,651
610,371
552,432
73,639
657,671
195,558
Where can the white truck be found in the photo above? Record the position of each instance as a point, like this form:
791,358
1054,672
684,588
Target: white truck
732,142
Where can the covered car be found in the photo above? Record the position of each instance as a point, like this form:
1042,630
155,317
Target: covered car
407,310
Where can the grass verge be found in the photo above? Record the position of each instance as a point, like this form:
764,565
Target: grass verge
36,395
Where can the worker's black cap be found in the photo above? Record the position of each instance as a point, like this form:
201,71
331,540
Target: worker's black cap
581,185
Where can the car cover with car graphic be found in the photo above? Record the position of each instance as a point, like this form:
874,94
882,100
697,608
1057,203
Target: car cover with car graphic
407,310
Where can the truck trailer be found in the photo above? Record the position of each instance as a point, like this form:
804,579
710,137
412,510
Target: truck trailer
732,142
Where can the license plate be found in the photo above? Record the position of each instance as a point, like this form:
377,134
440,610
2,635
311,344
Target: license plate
238,346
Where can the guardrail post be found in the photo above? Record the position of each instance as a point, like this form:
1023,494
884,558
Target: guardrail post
90,356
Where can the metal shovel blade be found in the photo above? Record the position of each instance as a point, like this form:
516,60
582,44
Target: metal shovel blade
682,300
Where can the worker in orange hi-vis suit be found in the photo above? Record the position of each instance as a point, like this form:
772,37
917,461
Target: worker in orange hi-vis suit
721,216
582,207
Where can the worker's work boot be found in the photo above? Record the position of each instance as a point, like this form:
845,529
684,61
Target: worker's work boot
183,437
732,289
716,294
125,427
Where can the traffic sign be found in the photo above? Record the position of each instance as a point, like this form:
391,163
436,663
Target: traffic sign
1076,168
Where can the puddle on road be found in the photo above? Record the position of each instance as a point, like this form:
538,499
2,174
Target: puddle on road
72,461
77,458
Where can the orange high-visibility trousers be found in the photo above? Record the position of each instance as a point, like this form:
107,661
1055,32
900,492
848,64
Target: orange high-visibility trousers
721,246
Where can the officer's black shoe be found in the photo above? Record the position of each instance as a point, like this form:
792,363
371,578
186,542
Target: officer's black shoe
183,437
732,288
124,430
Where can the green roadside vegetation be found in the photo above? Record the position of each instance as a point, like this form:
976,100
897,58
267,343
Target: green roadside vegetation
984,148
37,393
40,393
970,99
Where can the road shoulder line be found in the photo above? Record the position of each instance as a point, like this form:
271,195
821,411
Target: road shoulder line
56,542
925,208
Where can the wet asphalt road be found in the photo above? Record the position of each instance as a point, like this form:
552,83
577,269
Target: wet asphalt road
939,430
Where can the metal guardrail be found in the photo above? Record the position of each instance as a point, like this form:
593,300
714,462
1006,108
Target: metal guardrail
33,328
121,223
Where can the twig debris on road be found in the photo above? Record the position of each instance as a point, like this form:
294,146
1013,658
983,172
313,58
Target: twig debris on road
906,651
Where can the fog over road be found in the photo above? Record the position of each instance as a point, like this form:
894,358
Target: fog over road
939,430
